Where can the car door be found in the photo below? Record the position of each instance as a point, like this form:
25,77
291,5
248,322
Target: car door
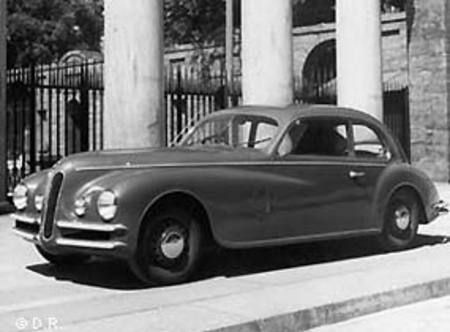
371,155
317,192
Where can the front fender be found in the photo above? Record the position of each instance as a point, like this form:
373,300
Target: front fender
138,190
37,184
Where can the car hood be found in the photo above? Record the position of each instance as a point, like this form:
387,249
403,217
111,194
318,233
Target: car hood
158,157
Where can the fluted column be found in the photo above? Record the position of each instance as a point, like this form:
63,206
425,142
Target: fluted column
134,95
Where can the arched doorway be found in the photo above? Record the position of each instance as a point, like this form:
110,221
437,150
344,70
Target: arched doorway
319,74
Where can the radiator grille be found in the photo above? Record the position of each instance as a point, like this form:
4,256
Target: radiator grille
49,217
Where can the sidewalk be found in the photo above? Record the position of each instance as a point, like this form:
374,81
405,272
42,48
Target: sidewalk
299,298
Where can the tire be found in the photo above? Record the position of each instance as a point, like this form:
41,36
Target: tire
401,220
73,259
169,247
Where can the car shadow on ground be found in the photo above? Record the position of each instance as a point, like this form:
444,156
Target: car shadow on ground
114,274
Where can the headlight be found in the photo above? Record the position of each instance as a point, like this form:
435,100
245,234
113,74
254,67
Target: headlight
38,202
80,207
107,205
20,196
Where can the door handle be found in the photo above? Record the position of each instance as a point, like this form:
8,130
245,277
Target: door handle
355,175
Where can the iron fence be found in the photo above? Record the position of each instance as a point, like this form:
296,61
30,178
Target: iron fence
191,92
52,111
56,110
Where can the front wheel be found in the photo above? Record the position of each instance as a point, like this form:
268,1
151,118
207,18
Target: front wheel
169,247
71,259
401,220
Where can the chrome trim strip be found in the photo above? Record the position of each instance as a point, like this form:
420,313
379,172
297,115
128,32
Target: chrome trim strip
25,219
84,226
26,236
351,162
104,245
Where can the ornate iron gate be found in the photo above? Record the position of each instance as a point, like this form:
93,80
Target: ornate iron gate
52,111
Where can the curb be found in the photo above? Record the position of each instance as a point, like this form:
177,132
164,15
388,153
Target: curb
333,313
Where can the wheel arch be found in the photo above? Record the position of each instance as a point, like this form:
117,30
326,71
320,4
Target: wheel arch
178,198
414,190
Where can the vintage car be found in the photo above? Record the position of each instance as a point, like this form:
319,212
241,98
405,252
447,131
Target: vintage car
242,178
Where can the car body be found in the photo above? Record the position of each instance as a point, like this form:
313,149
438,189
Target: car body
242,178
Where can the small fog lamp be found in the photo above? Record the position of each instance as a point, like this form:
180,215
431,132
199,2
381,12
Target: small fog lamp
20,196
107,205
80,207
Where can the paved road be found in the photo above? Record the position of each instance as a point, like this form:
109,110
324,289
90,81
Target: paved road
427,316
103,295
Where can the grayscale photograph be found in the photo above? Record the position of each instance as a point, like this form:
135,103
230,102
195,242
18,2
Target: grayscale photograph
224,165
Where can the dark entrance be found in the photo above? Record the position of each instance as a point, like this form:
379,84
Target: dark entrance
319,75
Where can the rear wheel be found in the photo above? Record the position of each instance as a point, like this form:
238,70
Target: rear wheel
72,259
401,220
169,247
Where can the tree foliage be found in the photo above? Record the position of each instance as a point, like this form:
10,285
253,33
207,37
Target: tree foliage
41,31
194,21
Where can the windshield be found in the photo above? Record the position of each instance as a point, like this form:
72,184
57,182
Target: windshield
234,131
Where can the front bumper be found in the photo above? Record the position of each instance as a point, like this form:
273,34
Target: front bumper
27,227
438,209
74,236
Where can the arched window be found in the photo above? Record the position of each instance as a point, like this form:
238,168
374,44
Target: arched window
319,74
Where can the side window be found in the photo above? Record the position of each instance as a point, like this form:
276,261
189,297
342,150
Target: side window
254,133
264,134
367,143
326,137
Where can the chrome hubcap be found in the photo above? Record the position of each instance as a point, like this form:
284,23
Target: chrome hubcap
402,217
172,244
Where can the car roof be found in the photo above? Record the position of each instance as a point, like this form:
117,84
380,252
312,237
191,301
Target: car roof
287,114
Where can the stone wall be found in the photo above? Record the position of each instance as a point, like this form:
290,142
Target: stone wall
429,24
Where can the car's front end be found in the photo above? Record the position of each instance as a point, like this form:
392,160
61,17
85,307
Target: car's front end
93,203
63,212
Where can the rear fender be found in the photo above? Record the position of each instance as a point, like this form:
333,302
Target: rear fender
396,177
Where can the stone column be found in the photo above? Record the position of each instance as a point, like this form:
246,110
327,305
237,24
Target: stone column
429,89
134,90
3,152
359,56
267,77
